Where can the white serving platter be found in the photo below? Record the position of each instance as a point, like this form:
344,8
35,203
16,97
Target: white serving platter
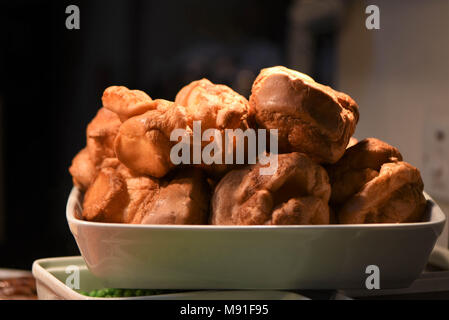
253,257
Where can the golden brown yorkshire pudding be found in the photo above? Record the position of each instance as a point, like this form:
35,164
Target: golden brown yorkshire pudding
371,184
394,196
297,193
143,142
101,133
359,164
83,170
216,106
118,195
106,198
310,118
184,199
139,188
126,103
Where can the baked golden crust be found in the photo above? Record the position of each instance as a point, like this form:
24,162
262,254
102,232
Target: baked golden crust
310,118
101,133
182,200
371,184
121,196
83,170
126,103
106,198
216,106
117,193
360,164
297,193
394,196
139,189
143,142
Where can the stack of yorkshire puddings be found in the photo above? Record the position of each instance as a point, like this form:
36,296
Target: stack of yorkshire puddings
322,174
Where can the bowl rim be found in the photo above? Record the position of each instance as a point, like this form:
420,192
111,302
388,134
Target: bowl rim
438,217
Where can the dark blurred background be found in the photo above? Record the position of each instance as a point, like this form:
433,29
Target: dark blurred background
52,79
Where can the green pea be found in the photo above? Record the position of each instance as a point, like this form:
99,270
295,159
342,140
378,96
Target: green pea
101,293
110,291
118,293
150,292
128,293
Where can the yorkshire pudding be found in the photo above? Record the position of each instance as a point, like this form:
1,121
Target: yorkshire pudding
126,103
310,118
117,195
101,133
371,184
297,193
217,107
143,142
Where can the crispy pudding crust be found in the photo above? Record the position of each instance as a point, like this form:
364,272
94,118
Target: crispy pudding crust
297,193
371,184
100,137
310,117
119,195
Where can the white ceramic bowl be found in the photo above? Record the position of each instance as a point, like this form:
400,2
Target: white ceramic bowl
253,257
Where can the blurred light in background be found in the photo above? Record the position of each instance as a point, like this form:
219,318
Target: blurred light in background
399,75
